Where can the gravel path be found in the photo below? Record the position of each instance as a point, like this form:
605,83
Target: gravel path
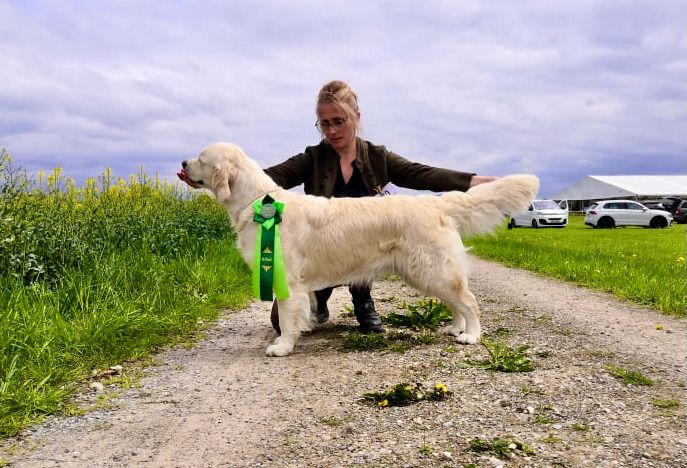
223,403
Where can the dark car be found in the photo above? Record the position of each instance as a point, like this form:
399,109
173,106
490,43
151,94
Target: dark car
654,205
669,204
680,213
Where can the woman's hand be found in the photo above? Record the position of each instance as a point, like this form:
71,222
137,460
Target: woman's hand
476,180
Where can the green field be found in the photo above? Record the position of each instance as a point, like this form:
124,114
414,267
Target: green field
645,266
91,277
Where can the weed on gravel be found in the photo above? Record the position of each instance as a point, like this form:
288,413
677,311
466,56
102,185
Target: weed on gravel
501,448
665,403
425,313
503,358
394,341
628,376
404,394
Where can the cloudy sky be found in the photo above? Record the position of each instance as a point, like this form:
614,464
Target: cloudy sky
562,89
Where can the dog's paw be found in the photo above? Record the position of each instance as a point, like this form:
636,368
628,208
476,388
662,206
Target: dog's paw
279,350
467,338
452,330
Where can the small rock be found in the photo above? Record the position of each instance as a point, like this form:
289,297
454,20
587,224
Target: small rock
529,410
447,455
97,387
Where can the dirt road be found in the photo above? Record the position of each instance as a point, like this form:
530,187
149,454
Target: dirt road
223,403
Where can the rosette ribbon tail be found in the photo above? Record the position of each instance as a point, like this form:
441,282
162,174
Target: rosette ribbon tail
269,274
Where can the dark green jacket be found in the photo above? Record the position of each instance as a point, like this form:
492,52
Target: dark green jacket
316,168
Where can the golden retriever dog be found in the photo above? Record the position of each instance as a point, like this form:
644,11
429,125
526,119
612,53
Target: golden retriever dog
333,241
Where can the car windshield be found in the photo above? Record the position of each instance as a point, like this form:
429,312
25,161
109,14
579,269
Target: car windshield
546,205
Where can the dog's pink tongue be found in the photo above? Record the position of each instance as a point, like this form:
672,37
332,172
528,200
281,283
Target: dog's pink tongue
183,176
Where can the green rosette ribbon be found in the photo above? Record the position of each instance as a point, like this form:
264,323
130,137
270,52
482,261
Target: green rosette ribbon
268,265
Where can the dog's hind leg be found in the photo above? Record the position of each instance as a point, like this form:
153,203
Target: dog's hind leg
465,327
291,313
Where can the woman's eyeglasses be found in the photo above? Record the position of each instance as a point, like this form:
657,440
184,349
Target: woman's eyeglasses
324,125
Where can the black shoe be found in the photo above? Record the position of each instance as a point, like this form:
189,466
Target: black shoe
368,318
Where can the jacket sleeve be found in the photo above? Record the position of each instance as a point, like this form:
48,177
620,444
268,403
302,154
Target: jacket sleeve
292,172
418,176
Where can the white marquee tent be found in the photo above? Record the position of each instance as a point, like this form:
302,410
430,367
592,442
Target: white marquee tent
634,186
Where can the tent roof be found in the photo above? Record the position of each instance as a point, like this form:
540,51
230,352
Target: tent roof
599,187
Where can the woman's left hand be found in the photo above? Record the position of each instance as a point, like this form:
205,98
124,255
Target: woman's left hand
476,180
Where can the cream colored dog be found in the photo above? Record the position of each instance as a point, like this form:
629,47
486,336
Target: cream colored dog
329,242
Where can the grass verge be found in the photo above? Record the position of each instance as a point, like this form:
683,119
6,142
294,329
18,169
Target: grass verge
94,276
646,266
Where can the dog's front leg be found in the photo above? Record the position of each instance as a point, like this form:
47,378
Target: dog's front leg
290,312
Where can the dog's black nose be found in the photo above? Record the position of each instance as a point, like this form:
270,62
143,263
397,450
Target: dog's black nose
183,164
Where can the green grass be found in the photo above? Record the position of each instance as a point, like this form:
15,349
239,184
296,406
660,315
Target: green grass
646,266
92,277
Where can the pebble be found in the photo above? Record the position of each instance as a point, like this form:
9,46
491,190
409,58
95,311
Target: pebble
97,387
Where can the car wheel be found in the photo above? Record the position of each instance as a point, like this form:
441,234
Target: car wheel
535,225
606,223
658,222
511,225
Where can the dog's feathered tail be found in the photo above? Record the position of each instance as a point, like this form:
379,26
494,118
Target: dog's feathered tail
484,206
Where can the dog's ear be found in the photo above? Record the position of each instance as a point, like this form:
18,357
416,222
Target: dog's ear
222,177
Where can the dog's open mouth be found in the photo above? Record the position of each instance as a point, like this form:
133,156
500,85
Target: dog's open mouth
184,176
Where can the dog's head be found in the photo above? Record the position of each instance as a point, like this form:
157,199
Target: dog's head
215,168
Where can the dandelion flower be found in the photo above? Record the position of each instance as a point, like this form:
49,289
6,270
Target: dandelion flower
441,387
383,403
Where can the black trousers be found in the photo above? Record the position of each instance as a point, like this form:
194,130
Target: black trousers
360,293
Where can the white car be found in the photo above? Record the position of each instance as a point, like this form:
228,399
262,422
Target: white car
542,213
612,213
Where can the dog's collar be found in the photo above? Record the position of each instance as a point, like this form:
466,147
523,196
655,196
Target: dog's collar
260,195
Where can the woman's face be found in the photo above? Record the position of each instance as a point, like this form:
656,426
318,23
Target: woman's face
338,128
